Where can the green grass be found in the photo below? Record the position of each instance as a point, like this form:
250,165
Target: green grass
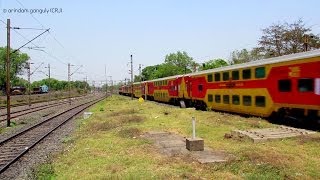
108,146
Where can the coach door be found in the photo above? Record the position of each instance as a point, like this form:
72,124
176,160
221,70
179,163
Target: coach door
189,87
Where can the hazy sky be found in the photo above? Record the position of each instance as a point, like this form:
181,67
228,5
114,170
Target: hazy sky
99,33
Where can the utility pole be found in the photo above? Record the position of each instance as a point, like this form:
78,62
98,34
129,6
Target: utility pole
105,74
49,83
69,84
131,78
111,85
29,84
93,86
85,86
140,80
8,73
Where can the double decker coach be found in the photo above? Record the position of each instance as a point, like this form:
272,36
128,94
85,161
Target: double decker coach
285,86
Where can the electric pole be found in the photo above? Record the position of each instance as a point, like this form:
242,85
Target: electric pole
8,73
93,86
49,83
29,84
111,84
85,86
131,78
105,74
69,84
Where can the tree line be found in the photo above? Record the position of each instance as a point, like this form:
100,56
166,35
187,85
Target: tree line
18,65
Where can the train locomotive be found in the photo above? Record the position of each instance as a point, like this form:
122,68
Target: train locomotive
285,86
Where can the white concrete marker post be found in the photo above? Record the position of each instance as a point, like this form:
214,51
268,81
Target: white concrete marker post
194,144
193,128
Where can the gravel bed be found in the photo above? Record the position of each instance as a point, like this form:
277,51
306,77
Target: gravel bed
28,120
41,153
51,145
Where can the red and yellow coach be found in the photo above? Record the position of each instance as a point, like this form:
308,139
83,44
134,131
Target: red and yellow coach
287,86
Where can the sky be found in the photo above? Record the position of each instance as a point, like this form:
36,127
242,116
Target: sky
94,36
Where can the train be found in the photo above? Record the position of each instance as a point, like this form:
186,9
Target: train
40,90
282,87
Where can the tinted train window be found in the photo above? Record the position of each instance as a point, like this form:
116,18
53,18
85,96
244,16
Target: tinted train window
246,74
246,100
226,99
235,100
217,77
260,72
305,85
200,87
217,98
225,76
235,75
284,85
210,78
210,97
260,101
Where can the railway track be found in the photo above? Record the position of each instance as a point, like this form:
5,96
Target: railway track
14,147
24,104
18,113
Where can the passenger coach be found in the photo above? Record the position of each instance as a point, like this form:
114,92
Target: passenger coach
283,86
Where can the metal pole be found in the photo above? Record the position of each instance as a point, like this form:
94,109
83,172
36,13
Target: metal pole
93,86
140,79
69,83
29,93
193,128
105,74
49,89
111,86
8,73
131,78
85,86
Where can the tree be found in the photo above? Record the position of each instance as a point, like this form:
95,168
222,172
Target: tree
238,57
281,39
148,72
17,64
174,64
182,60
214,63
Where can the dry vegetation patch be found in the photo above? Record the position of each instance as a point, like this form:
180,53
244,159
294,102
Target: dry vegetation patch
129,132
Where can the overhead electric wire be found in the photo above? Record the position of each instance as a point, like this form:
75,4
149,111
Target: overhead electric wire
27,28
44,28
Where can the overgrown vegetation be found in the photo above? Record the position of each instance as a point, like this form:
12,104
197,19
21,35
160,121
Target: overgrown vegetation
108,146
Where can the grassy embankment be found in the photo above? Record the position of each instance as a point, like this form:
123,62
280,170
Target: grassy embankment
108,145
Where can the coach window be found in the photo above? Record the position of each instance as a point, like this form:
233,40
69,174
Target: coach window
260,72
225,76
217,98
246,74
226,99
284,85
209,77
246,100
235,100
217,77
210,97
200,87
260,101
305,85
235,75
